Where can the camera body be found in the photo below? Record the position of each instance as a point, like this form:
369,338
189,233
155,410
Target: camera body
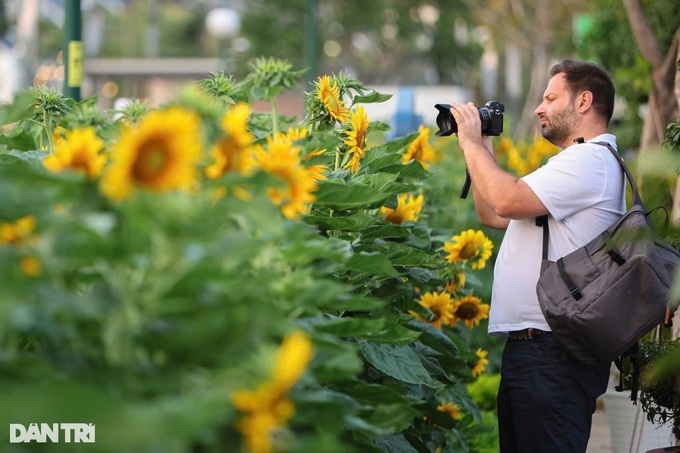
491,115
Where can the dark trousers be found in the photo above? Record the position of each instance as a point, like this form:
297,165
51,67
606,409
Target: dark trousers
546,399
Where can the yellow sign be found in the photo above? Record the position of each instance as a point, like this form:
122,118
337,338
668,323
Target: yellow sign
75,63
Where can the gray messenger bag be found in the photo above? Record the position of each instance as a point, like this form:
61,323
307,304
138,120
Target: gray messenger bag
602,298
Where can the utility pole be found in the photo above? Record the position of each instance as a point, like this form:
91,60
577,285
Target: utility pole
73,49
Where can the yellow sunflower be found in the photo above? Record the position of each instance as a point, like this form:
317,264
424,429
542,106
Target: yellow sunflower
452,409
471,246
356,138
268,408
281,159
420,149
79,150
457,282
296,134
480,366
330,96
317,170
440,304
17,232
470,310
30,266
160,153
408,208
231,151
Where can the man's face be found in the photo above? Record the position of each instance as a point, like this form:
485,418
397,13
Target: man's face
557,113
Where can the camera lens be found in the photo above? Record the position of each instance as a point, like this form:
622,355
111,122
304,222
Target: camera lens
445,121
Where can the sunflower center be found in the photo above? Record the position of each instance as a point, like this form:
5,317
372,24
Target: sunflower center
81,161
470,250
467,311
151,160
437,312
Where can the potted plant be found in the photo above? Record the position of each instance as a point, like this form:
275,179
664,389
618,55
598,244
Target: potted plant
659,396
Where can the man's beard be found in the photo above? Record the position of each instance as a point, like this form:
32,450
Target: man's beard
560,125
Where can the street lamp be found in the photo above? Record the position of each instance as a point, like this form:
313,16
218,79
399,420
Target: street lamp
224,24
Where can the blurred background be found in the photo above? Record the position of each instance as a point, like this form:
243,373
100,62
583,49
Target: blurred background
422,51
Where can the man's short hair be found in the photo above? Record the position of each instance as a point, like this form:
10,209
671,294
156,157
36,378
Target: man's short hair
584,76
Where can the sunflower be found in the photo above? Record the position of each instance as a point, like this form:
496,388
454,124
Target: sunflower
281,159
420,149
470,310
17,232
330,96
231,150
452,409
408,208
30,266
316,170
268,408
356,138
440,304
79,150
296,134
480,366
467,246
457,282
158,154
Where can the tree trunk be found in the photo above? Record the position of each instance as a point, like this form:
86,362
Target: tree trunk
663,100
526,127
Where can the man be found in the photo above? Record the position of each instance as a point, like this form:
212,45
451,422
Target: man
546,399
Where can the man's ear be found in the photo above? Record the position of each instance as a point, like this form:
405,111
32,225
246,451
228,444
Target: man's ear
584,101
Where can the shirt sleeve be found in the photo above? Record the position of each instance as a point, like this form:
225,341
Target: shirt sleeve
571,181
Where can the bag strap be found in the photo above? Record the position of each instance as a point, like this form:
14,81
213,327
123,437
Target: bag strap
636,195
543,220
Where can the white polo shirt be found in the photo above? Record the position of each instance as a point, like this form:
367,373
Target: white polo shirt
584,191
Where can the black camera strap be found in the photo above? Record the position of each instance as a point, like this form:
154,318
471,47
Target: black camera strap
466,185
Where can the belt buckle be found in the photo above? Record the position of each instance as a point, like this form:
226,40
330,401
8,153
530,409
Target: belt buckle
531,333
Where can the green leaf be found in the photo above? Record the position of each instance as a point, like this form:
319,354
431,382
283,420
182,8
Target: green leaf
399,362
378,126
413,169
395,443
353,196
379,157
385,231
372,263
352,304
371,98
355,222
398,144
334,360
404,255
377,330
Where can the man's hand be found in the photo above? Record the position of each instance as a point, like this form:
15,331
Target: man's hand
469,127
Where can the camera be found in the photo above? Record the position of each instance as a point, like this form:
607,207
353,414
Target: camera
491,115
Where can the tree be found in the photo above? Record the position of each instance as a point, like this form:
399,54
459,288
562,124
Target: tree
391,41
529,26
662,104
663,101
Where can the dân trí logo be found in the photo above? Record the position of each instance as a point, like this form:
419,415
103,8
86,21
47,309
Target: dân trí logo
54,432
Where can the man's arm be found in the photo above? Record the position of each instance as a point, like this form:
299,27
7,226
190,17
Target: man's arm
498,194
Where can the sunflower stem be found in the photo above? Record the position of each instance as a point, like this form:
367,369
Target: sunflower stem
47,127
275,118
337,159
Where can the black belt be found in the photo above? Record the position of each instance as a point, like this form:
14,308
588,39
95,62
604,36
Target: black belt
525,334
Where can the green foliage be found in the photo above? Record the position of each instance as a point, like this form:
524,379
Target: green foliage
609,41
483,391
659,392
145,316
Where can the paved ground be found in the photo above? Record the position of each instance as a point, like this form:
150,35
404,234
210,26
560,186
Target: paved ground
634,434
599,435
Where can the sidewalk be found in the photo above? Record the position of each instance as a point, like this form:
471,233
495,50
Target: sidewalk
599,434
